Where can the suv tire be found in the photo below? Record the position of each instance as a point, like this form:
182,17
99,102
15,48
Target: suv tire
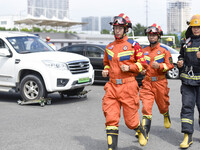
32,88
173,73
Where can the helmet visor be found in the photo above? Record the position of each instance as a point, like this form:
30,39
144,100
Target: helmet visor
118,21
152,30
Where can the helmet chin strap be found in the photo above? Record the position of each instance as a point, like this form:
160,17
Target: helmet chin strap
118,38
153,42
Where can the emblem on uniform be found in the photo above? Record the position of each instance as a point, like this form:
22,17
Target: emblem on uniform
125,47
170,60
139,54
146,53
159,52
111,47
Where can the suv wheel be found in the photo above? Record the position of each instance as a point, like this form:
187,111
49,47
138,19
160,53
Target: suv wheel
173,73
32,88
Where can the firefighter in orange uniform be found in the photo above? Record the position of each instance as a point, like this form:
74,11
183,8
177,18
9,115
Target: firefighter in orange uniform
155,83
122,63
50,43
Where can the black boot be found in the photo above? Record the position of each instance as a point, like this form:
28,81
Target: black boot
147,125
141,135
112,138
187,141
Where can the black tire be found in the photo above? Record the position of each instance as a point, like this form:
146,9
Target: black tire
32,87
72,92
174,73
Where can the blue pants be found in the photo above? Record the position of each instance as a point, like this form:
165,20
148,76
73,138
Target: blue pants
190,97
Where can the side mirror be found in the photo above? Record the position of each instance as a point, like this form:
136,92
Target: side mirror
4,52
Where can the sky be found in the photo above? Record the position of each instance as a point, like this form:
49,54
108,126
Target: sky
135,9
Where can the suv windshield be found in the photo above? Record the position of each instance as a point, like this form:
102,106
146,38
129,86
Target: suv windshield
28,44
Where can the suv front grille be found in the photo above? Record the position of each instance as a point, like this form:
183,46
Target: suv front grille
78,67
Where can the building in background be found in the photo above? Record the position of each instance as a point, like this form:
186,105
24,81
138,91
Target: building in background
7,22
93,23
105,23
96,24
178,13
49,8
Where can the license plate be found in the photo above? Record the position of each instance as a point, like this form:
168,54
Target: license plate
83,80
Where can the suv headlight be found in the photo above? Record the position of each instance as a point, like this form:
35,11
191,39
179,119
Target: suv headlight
55,65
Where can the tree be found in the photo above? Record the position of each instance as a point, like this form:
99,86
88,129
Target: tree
36,29
104,31
183,34
2,29
139,30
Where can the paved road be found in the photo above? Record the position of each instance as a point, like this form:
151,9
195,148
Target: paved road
78,124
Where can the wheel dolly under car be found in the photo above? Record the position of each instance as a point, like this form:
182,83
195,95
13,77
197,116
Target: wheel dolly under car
42,101
81,94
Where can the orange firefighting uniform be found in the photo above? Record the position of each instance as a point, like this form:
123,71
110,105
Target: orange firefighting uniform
155,82
122,88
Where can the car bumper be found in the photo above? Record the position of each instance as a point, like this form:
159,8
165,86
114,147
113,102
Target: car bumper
63,80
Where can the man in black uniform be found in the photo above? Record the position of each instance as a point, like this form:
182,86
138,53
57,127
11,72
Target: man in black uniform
189,64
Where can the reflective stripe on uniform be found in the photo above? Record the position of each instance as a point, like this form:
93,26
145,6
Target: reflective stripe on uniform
110,52
185,120
159,57
147,116
147,58
193,49
139,66
107,67
111,128
165,67
127,53
186,76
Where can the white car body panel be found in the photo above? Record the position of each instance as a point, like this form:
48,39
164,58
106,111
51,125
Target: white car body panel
11,67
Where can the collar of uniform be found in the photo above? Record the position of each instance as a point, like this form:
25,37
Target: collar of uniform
125,38
157,46
195,36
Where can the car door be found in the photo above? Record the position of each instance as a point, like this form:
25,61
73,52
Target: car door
96,55
7,67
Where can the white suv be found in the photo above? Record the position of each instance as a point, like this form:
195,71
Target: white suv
29,66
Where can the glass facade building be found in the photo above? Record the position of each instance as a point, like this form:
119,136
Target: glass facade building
178,12
49,8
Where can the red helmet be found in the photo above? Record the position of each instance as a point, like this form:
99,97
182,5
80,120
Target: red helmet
154,29
121,20
48,38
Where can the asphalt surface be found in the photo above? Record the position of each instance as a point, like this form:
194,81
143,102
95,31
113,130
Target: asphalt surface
78,124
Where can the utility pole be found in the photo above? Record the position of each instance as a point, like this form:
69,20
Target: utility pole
146,13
